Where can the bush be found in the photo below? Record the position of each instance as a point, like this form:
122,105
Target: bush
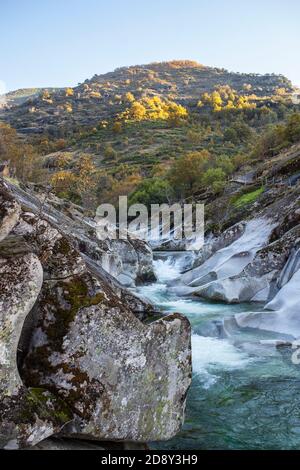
152,191
215,179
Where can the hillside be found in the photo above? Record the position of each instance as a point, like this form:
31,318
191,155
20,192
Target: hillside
18,97
158,132
103,96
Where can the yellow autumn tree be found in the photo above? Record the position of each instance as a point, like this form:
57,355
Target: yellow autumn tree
69,92
129,97
64,183
137,111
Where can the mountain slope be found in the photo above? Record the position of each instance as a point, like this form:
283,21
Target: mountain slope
103,96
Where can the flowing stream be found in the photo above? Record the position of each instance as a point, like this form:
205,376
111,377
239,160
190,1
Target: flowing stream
245,392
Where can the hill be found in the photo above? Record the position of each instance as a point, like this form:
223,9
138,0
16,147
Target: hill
104,96
158,132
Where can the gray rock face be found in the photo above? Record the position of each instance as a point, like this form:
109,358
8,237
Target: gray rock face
9,212
246,262
214,278
89,368
217,243
30,416
26,416
123,379
20,283
130,261
137,261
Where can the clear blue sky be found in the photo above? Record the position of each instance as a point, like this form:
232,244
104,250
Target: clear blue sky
63,42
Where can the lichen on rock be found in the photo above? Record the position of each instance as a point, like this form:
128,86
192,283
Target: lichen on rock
76,359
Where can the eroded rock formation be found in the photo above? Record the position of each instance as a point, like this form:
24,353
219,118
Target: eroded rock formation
87,366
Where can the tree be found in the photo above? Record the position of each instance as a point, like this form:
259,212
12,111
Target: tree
46,95
109,152
186,172
86,181
117,127
214,178
243,131
69,92
224,162
176,114
216,101
194,137
24,161
152,191
64,184
129,97
137,111
293,128
123,187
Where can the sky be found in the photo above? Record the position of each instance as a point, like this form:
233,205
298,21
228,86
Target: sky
48,43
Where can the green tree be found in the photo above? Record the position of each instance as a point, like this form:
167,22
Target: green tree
214,178
293,128
186,172
152,191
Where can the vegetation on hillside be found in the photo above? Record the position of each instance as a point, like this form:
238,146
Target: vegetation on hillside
160,133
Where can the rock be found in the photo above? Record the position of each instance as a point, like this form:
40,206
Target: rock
9,211
140,307
277,343
20,283
130,261
123,379
56,443
236,290
137,261
261,279
30,416
57,254
216,243
26,416
67,444
220,277
89,367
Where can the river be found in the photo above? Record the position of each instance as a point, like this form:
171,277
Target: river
245,393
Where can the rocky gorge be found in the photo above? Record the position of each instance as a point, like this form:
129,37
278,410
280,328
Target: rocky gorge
86,330
79,357
130,344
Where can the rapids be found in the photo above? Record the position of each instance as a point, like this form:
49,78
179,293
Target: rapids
245,391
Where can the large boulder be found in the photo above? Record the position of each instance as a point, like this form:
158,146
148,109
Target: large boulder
20,283
27,416
213,279
123,379
137,261
89,367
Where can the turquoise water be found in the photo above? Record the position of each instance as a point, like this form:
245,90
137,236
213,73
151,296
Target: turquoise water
244,394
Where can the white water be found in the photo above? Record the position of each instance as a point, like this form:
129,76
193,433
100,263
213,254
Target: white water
209,354
166,270
244,393
212,354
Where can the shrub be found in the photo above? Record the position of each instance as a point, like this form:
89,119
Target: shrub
214,178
